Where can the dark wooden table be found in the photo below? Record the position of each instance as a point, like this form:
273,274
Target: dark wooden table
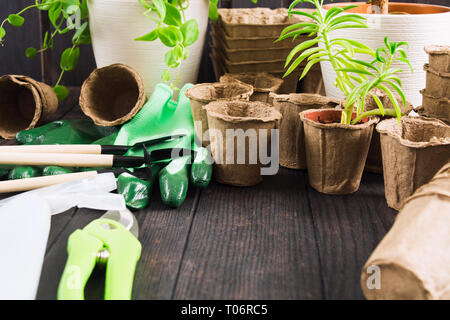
278,240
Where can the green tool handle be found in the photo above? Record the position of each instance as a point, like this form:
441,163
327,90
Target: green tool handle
82,249
120,274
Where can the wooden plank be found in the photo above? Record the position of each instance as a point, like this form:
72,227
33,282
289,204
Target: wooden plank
348,228
12,53
162,232
252,243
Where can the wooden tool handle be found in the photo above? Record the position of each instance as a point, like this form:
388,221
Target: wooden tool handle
57,148
56,159
20,185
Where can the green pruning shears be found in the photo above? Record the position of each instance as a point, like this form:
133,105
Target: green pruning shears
111,240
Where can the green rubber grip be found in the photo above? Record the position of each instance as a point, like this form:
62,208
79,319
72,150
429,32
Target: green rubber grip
82,249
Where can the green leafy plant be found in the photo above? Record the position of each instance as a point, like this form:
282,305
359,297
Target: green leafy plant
174,31
355,78
65,16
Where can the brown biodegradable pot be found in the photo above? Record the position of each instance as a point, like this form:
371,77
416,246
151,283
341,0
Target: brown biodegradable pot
374,162
24,103
412,259
292,138
439,57
252,119
435,107
335,153
112,95
263,83
437,82
412,154
204,93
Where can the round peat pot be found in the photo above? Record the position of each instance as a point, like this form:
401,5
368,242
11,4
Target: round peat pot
422,25
263,83
202,94
112,95
413,151
24,103
335,153
435,107
238,130
439,57
412,257
292,139
438,83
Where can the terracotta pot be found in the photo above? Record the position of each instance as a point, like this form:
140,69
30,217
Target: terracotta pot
112,95
202,94
413,151
236,128
263,84
24,103
335,153
422,26
412,257
292,138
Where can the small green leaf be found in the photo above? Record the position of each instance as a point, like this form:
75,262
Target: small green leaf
213,11
190,32
61,92
145,4
166,75
160,8
171,60
152,36
173,15
170,36
69,59
16,20
2,33
31,52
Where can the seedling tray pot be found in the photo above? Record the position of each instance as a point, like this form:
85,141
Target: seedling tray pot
292,138
202,94
24,103
439,57
226,119
435,107
413,152
412,259
263,83
437,82
112,95
335,153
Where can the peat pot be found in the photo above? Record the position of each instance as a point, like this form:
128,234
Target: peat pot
413,257
238,129
292,138
421,25
114,24
413,151
335,153
24,103
202,94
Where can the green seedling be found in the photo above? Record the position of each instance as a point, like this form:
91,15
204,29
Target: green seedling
355,78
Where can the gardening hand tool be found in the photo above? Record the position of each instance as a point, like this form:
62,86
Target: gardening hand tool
25,226
110,240
85,148
162,116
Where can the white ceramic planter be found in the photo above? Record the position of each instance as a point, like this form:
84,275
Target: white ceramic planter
418,30
114,24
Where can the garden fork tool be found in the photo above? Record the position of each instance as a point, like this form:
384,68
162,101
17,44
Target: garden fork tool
112,240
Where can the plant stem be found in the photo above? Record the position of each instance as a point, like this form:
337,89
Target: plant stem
374,112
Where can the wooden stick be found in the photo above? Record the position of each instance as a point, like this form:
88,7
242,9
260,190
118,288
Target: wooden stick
55,148
56,159
21,185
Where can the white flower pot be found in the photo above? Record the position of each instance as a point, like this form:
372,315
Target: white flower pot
418,30
114,24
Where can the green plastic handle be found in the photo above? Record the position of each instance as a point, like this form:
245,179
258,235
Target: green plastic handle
82,249
124,252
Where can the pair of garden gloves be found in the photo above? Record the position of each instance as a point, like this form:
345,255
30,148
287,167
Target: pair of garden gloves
160,116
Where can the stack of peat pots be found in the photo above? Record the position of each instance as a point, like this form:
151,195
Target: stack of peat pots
243,40
417,148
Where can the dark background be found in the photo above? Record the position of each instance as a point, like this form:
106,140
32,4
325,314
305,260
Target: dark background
12,54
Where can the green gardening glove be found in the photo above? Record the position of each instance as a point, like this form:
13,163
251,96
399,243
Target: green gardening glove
162,116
